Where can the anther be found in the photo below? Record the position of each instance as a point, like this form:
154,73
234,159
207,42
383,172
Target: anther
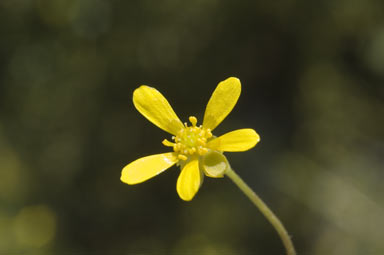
201,141
168,143
182,157
202,150
193,120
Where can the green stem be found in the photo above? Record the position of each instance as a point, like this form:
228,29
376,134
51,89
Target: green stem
256,200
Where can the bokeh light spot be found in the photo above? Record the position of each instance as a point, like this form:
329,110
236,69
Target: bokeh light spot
35,226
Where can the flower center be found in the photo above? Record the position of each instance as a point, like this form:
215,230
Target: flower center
191,140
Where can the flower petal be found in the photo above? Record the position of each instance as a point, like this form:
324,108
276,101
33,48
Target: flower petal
221,102
214,164
189,180
238,140
145,168
153,105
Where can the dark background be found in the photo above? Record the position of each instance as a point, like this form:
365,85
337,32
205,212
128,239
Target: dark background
312,77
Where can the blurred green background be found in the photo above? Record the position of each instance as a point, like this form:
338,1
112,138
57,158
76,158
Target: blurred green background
312,75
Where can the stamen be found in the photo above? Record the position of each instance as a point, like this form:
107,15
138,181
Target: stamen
202,150
200,141
182,157
193,120
168,143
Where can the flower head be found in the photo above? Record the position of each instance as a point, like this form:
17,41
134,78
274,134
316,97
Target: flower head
195,149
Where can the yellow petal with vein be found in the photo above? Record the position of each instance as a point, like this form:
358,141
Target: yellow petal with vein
153,105
221,102
189,180
238,140
145,168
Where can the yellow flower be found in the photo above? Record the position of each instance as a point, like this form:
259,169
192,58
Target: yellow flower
195,149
